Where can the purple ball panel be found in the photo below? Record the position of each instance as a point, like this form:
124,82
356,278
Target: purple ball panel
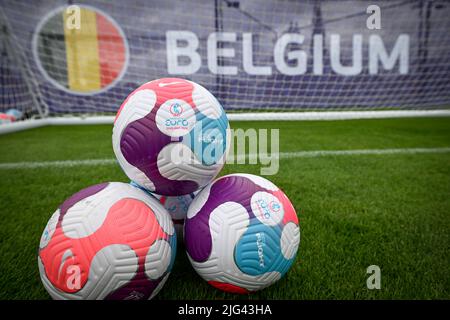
80,195
140,144
238,189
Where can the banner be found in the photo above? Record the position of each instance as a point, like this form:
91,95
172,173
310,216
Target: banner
252,54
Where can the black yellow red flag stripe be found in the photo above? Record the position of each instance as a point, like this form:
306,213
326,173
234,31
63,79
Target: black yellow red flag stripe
84,59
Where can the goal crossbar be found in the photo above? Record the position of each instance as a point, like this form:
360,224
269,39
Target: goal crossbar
261,116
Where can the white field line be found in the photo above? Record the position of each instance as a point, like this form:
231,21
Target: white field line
320,153
56,164
282,155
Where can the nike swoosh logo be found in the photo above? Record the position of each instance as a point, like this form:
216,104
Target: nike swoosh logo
161,84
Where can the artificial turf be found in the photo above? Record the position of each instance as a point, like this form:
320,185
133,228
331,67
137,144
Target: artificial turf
355,210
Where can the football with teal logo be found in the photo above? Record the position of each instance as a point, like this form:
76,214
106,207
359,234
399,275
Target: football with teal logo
241,233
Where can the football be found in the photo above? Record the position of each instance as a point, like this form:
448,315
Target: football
171,136
241,233
108,241
176,206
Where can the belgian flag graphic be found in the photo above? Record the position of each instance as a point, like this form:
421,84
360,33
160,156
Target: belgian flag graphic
84,59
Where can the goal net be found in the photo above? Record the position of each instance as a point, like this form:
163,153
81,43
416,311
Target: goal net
65,57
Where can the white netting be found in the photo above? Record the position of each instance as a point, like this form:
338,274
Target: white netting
122,44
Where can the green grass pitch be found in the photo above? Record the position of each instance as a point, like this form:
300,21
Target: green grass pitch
355,210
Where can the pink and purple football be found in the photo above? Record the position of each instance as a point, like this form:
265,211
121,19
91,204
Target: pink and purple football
241,233
177,207
108,241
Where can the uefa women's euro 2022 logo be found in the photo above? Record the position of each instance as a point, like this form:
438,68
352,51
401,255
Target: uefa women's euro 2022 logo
175,117
176,109
80,49
268,209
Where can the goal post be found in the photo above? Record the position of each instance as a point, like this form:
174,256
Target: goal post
19,86
259,58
